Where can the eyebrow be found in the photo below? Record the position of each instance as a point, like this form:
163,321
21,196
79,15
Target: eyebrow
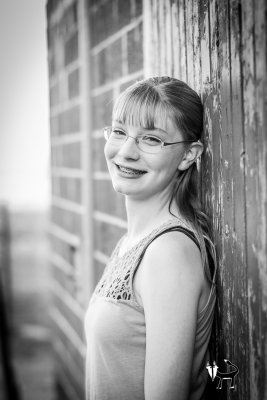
162,131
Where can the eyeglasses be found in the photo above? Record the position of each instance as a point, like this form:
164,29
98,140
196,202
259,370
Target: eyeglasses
146,143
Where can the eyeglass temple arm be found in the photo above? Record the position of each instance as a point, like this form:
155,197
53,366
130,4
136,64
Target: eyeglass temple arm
182,141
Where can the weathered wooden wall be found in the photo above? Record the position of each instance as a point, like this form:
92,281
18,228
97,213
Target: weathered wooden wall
219,48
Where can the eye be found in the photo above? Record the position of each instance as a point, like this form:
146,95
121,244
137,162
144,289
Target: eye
151,140
118,133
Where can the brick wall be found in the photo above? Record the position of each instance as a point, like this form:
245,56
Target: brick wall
116,56
69,210
95,51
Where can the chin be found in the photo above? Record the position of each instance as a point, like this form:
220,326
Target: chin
119,188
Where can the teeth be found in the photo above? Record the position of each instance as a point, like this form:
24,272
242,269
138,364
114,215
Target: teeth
130,171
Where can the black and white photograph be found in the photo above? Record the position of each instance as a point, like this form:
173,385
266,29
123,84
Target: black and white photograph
133,200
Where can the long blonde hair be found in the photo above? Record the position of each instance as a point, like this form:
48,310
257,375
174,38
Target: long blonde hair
143,104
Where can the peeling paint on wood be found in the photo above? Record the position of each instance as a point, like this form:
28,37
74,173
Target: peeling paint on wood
219,48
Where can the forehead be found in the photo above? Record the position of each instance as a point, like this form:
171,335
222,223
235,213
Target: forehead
143,109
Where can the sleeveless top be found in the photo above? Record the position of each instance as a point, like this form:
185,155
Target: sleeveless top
115,330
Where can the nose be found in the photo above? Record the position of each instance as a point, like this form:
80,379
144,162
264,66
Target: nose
129,149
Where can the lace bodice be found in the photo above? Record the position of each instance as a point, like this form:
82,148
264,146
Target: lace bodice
116,282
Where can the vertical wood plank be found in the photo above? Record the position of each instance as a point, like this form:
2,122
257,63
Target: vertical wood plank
196,46
254,35
239,234
182,36
156,38
175,40
161,28
169,39
222,340
251,141
207,158
260,23
189,43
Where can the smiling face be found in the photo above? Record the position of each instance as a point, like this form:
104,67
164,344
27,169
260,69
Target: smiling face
167,111
142,175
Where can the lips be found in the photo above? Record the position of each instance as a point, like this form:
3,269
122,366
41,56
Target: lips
130,171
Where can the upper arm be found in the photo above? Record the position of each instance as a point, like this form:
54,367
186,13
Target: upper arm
170,289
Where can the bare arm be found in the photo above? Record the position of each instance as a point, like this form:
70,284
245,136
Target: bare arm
172,280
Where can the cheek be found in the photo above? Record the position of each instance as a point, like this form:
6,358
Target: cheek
167,166
109,152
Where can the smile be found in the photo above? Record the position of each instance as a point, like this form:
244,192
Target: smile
130,171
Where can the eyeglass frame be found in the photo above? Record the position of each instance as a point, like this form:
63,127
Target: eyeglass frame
163,144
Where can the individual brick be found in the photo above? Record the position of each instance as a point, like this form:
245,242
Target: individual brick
51,65
102,109
67,155
54,95
69,120
73,84
51,6
70,188
62,248
103,21
68,20
74,360
72,318
71,155
71,49
66,219
100,67
135,49
99,269
65,370
65,280
114,61
54,125
106,236
107,200
124,14
107,64
99,161
138,7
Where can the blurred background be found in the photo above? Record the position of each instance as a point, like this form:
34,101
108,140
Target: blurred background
26,354
63,62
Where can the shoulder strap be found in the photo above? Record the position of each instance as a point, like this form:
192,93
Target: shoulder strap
179,228
188,233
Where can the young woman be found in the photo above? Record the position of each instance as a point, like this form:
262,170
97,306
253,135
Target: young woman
149,320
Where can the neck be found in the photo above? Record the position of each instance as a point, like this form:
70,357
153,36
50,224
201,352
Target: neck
144,216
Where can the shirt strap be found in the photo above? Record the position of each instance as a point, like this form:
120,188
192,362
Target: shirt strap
179,228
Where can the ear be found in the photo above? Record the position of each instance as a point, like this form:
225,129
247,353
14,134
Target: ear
191,154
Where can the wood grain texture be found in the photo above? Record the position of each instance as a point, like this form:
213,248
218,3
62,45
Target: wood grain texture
219,48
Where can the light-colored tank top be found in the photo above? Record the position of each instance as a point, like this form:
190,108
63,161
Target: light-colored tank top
115,330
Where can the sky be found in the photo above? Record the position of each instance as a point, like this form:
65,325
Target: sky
24,118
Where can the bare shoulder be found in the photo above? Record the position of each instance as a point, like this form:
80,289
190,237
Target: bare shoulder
172,263
174,252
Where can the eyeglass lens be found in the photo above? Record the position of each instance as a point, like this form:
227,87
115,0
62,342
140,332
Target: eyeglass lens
146,143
